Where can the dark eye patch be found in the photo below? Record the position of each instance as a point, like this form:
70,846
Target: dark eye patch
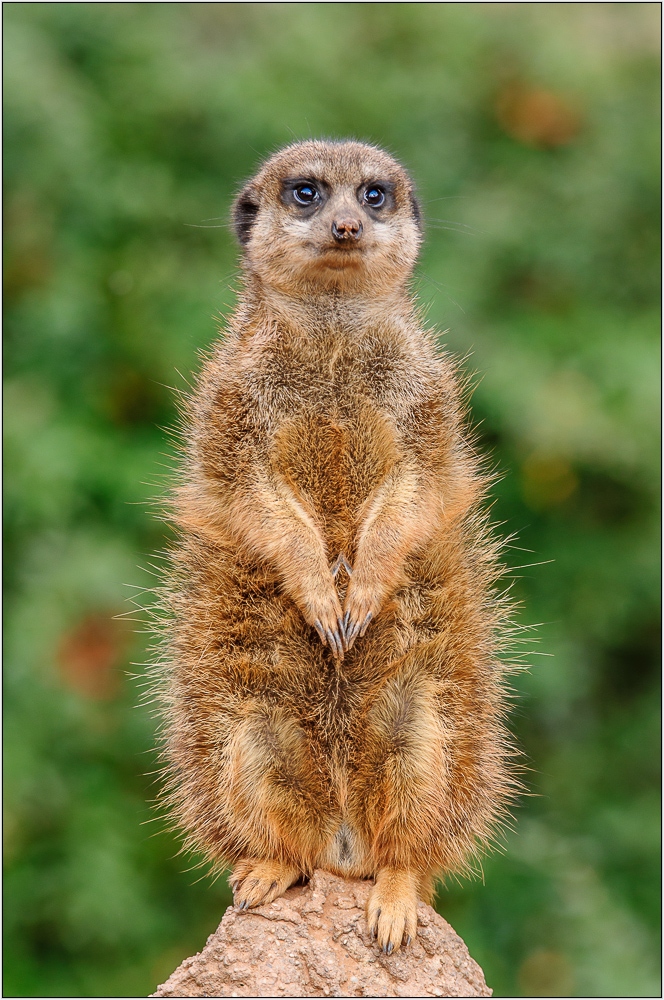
306,194
376,195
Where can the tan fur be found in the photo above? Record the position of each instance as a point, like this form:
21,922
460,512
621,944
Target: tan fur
326,422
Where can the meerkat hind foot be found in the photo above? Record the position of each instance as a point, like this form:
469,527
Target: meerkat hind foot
392,909
257,883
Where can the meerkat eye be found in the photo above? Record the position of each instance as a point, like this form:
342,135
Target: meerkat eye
305,194
374,196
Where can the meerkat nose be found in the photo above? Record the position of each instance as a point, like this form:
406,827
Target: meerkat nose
346,229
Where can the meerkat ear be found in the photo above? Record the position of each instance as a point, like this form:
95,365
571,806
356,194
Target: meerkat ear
415,205
245,210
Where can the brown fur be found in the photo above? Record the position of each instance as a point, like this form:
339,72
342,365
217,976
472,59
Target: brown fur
327,422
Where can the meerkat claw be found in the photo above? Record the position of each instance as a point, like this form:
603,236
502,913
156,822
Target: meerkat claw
350,636
335,643
365,624
338,563
358,629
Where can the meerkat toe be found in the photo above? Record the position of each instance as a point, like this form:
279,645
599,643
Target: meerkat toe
256,883
392,929
392,910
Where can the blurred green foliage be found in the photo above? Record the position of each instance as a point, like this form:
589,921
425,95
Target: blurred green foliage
533,133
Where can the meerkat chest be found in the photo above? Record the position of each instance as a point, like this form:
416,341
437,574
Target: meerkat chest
333,436
334,420
340,382
333,458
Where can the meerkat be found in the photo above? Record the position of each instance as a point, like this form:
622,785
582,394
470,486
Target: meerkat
331,691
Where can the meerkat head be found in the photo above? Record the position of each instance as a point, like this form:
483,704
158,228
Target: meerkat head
329,215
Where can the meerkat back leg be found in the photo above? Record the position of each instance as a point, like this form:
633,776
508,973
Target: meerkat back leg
396,799
278,802
256,883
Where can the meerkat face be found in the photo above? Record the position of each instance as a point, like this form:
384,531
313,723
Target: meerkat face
330,215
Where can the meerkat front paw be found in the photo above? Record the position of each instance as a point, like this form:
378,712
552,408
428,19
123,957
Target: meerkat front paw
361,605
392,908
323,611
256,883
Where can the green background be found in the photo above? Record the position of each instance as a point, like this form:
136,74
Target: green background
532,131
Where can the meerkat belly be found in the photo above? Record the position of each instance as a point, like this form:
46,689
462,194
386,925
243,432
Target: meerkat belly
334,462
346,853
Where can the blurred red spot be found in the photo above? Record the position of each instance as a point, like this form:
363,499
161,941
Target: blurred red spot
536,117
89,654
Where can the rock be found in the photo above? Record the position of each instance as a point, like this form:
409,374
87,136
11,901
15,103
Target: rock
313,942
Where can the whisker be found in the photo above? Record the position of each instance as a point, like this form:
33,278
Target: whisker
448,197
464,225
451,229
441,288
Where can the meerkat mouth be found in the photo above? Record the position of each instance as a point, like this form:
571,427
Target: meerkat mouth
340,256
343,248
